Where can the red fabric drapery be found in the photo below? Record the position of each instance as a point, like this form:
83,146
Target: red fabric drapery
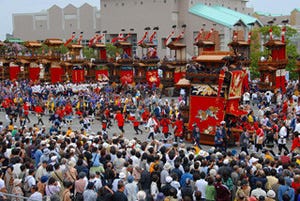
126,76
178,74
98,73
232,107
13,72
34,74
207,111
102,54
77,76
152,77
56,74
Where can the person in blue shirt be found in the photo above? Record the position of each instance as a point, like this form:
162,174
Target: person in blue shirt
285,190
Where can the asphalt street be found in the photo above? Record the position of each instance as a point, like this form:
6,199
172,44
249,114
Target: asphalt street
96,126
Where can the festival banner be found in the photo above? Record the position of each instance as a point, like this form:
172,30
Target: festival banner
56,74
152,76
280,80
34,73
126,75
101,75
232,107
14,70
179,73
206,112
77,75
236,84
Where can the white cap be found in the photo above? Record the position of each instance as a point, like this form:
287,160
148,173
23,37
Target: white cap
122,175
169,179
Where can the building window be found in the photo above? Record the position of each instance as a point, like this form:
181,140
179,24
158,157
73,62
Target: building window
165,1
192,2
117,4
105,5
70,17
123,4
40,17
235,9
142,3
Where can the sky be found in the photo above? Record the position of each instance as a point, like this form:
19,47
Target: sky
8,7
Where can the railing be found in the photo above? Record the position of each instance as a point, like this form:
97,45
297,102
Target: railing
11,196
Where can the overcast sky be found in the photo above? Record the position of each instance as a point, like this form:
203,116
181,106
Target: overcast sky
8,7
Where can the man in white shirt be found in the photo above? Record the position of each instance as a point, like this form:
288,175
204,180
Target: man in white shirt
36,195
282,138
258,191
151,124
201,185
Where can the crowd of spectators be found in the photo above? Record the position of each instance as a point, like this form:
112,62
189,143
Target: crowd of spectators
55,163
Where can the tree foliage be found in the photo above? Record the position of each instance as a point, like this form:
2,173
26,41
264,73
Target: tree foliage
112,50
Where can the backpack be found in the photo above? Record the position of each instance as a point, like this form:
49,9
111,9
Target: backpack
26,186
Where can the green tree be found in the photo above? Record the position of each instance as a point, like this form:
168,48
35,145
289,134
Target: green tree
112,50
88,53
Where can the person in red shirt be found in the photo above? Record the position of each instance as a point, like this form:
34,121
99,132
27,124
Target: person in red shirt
26,108
296,183
285,159
39,111
259,138
178,129
296,144
120,119
136,124
165,122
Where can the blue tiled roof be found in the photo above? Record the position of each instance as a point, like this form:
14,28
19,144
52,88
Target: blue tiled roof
247,19
221,15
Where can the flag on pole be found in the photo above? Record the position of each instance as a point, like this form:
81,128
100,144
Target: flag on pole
209,34
168,39
199,36
70,39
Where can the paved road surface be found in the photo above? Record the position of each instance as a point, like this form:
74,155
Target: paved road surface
96,126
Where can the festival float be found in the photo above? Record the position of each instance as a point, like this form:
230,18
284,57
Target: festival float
53,71
4,63
272,68
147,69
99,72
73,64
121,71
28,66
174,66
217,79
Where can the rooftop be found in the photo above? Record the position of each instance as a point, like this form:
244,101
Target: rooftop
221,15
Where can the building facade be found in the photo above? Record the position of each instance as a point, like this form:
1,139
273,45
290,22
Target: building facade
57,22
135,15
138,14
